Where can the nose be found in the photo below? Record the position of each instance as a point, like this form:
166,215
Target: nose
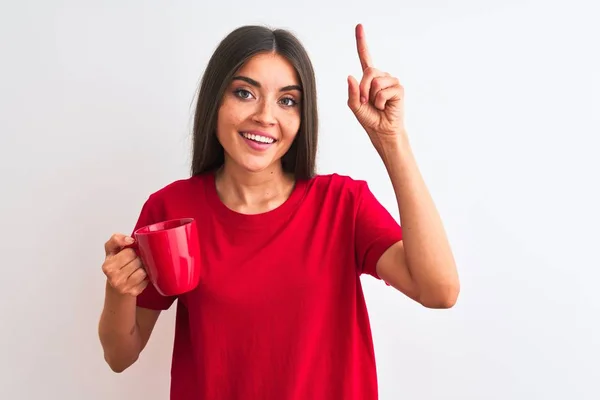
264,114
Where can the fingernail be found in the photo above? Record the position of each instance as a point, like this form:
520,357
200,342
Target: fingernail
363,100
128,239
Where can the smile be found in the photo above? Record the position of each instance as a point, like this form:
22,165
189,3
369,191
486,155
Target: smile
257,138
257,142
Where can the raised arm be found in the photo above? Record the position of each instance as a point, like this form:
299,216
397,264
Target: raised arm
422,264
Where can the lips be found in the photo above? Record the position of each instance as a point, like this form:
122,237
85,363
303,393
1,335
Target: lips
259,141
260,137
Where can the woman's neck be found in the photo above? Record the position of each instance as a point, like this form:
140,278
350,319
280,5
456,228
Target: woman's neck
253,192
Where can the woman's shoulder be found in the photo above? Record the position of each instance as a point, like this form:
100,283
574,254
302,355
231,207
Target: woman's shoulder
337,185
180,188
338,180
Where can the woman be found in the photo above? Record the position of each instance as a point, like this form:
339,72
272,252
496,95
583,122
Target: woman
279,312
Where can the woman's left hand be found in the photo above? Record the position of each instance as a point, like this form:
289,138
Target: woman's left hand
378,101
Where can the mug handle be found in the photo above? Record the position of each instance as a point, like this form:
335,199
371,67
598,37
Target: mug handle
133,246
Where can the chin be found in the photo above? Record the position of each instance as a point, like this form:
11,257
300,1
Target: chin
255,164
253,160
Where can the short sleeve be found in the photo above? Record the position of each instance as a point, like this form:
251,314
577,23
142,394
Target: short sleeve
150,298
376,231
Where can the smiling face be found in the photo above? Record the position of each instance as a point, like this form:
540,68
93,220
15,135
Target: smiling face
260,112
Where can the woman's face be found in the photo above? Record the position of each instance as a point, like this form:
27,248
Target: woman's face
259,115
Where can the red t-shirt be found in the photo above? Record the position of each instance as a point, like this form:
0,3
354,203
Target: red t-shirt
279,313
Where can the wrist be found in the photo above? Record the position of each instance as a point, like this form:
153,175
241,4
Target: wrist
114,297
392,148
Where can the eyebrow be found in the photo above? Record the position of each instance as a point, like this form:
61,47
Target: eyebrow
256,84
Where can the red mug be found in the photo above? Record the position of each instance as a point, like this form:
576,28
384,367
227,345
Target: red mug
170,252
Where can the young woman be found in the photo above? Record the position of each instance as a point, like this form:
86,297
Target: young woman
279,312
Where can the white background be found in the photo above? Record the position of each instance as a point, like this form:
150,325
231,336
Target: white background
502,105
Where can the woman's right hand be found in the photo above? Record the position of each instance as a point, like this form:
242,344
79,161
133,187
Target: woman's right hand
122,267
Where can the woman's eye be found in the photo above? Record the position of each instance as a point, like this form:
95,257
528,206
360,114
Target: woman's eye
243,94
288,102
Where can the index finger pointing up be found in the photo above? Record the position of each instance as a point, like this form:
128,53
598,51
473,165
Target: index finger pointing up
361,46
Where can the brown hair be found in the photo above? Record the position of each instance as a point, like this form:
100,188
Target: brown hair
233,51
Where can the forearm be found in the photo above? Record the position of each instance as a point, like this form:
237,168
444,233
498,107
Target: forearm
118,330
427,251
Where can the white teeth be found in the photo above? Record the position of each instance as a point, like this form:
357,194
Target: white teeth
258,138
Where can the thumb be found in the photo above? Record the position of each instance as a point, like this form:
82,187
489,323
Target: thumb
353,94
116,243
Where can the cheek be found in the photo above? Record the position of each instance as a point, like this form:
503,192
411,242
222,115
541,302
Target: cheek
227,120
290,126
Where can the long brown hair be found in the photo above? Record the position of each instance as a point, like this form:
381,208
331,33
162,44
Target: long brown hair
233,51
